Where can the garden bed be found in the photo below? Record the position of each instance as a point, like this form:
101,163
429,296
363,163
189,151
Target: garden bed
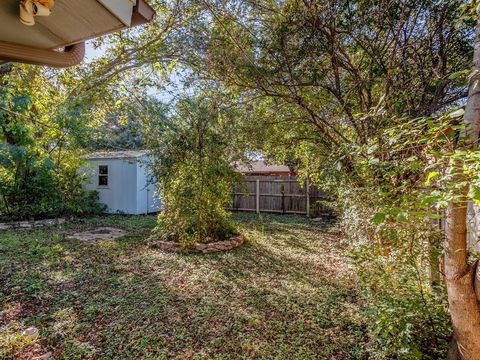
232,243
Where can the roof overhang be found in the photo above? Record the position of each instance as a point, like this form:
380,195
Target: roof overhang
59,39
111,155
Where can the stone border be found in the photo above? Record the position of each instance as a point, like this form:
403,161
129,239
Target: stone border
32,224
232,243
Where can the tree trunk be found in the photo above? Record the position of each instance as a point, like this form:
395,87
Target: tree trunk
459,275
462,300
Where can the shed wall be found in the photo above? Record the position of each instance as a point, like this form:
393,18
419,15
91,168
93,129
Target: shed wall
148,200
130,189
120,195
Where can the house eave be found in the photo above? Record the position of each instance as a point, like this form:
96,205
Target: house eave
115,155
73,49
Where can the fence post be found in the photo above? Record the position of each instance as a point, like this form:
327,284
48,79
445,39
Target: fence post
258,195
234,203
307,195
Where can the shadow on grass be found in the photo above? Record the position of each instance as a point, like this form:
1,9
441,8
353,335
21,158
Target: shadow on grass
288,293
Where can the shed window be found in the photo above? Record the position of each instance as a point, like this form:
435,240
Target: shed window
103,175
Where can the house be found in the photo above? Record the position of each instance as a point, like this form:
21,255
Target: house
123,180
262,168
53,33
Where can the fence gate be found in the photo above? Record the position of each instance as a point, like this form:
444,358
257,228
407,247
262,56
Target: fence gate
275,194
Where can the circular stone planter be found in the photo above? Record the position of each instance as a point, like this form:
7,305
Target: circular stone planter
232,243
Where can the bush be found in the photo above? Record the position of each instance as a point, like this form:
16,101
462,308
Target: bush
38,147
407,316
192,165
324,208
33,186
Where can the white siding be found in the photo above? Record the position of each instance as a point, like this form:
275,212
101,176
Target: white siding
120,194
127,191
147,200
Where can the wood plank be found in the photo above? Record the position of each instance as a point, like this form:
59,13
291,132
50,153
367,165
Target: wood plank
274,194
265,210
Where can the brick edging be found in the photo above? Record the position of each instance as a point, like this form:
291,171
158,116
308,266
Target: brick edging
232,243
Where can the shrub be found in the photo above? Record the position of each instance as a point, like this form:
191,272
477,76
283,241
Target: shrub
323,208
407,316
33,186
39,140
192,152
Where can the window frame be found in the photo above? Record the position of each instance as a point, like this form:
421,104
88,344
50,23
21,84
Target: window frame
101,174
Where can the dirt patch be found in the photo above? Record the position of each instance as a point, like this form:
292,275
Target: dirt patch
101,233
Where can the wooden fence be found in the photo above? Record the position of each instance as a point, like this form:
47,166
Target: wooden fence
275,194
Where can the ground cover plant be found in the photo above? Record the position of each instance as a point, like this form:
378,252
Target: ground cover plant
289,293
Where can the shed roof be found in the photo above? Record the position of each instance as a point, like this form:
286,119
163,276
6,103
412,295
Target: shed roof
261,167
125,154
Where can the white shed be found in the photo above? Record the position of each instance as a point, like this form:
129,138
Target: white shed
123,180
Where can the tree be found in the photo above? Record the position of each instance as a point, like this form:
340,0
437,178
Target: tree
463,279
192,164
40,135
357,89
358,93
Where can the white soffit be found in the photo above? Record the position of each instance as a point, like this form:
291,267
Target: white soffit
71,21
122,9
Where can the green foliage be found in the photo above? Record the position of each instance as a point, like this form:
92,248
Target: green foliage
407,316
390,206
363,120
118,131
324,208
193,168
39,154
351,92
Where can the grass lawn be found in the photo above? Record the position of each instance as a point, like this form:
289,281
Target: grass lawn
289,293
